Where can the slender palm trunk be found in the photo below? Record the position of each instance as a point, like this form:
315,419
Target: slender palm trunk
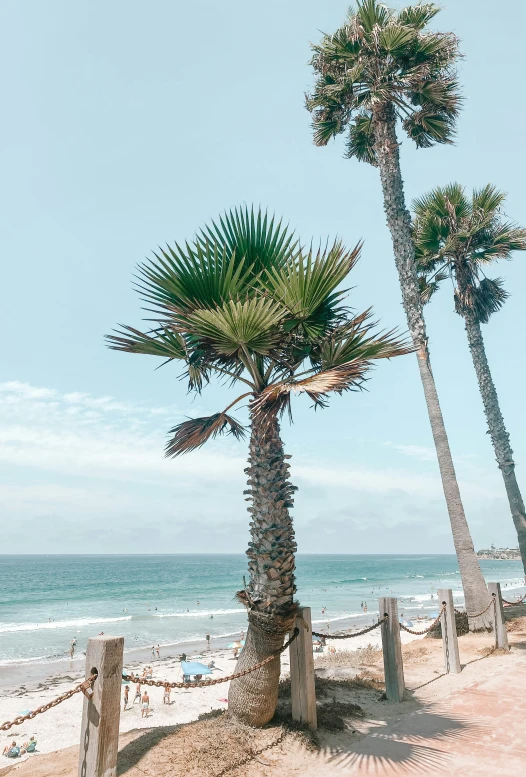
497,430
399,222
269,594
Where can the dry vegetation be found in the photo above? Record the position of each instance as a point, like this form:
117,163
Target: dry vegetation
366,656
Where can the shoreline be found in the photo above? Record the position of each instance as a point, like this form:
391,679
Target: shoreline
32,675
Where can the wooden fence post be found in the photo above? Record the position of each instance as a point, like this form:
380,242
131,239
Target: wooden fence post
392,649
99,741
449,631
303,694
499,624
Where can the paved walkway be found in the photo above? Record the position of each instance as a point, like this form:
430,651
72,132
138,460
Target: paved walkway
478,731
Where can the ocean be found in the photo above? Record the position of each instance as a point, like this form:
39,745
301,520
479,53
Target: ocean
176,600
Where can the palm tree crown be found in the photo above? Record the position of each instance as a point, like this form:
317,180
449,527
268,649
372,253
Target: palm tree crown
458,237
378,58
245,302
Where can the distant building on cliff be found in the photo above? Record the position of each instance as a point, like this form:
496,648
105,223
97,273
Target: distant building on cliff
506,554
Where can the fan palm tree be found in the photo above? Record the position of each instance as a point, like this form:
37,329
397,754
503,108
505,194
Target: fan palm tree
458,237
380,68
247,304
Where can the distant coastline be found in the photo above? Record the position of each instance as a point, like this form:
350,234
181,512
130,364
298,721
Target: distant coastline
503,554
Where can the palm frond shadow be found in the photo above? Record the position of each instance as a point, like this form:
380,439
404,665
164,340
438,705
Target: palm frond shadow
383,750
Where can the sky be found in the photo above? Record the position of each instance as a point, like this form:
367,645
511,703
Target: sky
127,125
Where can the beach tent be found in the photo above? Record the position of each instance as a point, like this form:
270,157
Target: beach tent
194,667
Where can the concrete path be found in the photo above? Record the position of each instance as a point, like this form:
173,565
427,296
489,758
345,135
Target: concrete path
477,731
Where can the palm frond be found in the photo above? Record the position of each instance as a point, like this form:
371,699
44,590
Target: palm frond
371,14
160,342
341,363
257,239
418,16
482,300
180,280
195,432
237,326
306,286
360,143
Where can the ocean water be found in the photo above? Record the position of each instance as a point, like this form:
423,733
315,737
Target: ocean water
45,601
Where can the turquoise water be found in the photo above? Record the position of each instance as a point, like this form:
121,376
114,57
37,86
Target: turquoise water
48,600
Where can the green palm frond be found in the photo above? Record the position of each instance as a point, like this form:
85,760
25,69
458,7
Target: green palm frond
195,432
418,16
396,37
371,14
180,280
237,327
306,286
160,342
358,341
360,143
257,239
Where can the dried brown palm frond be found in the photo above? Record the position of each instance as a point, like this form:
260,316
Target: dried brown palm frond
191,434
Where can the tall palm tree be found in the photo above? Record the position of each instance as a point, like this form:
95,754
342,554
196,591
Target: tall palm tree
379,68
244,302
458,237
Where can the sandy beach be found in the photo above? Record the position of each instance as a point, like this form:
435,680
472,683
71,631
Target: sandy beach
60,727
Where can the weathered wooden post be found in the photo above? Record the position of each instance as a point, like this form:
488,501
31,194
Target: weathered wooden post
99,739
499,624
392,649
448,625
303,694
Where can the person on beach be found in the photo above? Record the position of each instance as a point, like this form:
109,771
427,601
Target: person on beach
208,641
126,696
158,651
166,695
29,747
11,751
145,704
153,651
137,693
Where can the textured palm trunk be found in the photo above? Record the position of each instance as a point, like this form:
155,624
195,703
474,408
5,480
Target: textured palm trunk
497,430
399,223
269,594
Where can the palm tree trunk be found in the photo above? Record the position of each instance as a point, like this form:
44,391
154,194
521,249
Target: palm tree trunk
497,430
269,594
399,223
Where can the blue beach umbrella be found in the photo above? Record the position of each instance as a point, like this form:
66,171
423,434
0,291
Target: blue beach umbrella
25,712
407,624
194,667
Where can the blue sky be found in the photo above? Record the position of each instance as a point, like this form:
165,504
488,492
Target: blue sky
127,125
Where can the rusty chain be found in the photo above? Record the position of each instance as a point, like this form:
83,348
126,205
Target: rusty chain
478,614
429,628
205,683
518,601
86,688
251,757
356,633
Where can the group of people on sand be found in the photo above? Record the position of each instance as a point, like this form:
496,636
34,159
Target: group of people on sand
143,698
13,751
